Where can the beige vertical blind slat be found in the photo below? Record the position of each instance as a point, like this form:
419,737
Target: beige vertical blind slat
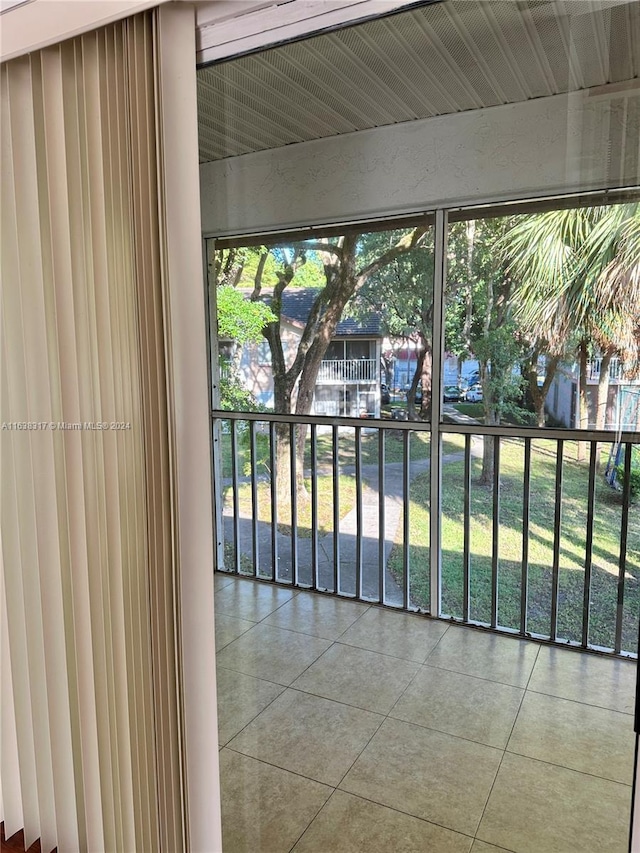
16,648
157,446
89,411
59,128
139,641
22,334
44,391
10,794
116,444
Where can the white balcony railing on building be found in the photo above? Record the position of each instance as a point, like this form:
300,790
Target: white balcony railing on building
616,369
349,370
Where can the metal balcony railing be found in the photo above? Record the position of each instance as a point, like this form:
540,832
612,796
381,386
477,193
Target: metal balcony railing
349,370
545,548
616,369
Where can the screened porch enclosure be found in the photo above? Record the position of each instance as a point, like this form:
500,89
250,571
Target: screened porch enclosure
487,512
533,530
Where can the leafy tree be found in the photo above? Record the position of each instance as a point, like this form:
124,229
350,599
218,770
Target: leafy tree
240,320
400,293
234,397
347,266
481,290
578,274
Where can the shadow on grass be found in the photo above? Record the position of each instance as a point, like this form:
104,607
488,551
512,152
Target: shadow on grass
603,603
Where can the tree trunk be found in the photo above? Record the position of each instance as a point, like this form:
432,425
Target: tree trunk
603,396
417,379
583,404
282,391
539,393
283,471
468,299
342,290
426,380
486,477
603,389
490,418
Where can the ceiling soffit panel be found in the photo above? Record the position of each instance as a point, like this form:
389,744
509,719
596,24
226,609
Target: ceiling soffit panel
454,56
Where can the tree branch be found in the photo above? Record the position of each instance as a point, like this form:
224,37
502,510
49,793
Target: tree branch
405,244
257,284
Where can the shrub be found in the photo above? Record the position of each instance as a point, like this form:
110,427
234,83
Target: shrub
634,474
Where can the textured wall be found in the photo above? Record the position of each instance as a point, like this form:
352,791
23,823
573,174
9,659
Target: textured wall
550,145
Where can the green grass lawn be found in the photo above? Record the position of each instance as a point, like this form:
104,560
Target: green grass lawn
472,410
607,526
347,500
419,448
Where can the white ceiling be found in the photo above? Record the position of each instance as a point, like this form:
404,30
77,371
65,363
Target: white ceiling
453,56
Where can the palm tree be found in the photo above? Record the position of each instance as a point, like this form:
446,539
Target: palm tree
578,286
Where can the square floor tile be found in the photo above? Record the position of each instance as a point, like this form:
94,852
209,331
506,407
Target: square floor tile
483,847
594,680
246,599
581,737
315,737
264,808
483,711
221,580
348,824
398,634
537,807
316,614
358,677
425,773
228,629
240,699
473,652
272,653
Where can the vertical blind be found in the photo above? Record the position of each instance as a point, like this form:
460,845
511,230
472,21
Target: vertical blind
90,708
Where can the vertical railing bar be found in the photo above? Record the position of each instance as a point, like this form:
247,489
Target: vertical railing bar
336,509
314,507
526,513
588,548
382,548
495,549
234,490
358,453
254,499
624,532
274,500
466,557
555,574
406,483
218,494
213,379
294,504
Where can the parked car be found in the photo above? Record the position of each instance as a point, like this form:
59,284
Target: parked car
474,394
452,394
385,396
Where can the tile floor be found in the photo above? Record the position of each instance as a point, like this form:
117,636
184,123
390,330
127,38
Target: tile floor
347,728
